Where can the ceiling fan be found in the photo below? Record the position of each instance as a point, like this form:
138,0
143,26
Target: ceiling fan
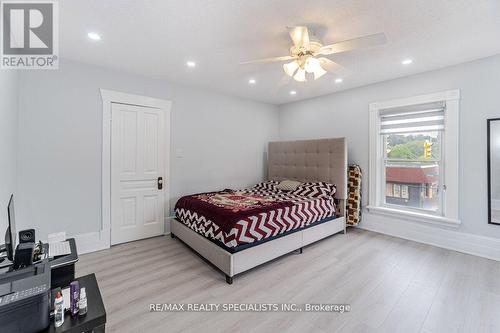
307,48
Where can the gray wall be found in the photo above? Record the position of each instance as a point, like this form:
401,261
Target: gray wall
8,141
346,114
223,140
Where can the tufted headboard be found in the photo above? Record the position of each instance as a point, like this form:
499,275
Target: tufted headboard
310,160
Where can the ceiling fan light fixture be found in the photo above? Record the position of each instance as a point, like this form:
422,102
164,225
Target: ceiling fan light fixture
307,47
291,68
300,76
319,72
312,64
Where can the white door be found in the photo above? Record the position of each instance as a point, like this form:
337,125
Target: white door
137,172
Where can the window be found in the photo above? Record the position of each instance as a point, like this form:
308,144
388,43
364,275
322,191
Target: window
411,138
397,190
404,192
412,162
413,150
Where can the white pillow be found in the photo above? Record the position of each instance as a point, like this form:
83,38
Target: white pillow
288,185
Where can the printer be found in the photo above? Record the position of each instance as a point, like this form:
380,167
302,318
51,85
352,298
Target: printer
25,299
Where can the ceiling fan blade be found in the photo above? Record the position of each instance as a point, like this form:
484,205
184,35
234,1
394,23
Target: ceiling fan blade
299,35
273,59
333,67
352,44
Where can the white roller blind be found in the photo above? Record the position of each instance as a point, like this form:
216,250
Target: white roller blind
417,118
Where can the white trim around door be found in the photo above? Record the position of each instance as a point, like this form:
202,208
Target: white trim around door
108,98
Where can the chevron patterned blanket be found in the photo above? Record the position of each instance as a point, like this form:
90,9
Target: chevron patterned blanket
247,216
226,208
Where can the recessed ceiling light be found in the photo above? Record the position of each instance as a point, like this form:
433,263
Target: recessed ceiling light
407,61
252,81
293,92
339,80
191,64
93,36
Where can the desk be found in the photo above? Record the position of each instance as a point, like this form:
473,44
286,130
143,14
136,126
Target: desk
94,320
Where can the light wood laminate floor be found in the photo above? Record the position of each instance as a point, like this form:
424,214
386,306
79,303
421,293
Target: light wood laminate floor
392,285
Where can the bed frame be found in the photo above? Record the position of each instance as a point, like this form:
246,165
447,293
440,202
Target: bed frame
306,160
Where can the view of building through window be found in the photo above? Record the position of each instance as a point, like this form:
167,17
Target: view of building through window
412,165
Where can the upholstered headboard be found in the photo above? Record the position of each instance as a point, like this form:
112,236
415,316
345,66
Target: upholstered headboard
310,160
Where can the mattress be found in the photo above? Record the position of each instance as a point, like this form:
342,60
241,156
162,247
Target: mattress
251,216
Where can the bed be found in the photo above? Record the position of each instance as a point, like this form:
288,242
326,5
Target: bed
237,230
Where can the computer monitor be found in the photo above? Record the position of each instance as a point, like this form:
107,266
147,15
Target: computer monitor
10,234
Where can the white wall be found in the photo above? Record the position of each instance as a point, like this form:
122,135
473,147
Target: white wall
8,140
223,140
346,114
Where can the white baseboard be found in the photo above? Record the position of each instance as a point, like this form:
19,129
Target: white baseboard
90,242
167,224
93,241
481,246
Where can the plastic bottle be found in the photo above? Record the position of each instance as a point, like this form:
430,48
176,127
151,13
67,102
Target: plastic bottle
74,289
83,302
59,310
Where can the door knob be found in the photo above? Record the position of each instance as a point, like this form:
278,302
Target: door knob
160,183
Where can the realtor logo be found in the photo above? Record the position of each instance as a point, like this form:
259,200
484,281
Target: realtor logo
29,35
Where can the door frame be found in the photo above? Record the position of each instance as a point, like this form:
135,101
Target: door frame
109,97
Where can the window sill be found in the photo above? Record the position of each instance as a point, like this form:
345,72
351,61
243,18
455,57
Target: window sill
414,216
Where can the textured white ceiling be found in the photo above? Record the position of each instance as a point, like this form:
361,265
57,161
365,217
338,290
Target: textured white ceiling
155,38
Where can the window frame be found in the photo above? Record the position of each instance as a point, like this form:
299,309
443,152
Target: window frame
449,162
